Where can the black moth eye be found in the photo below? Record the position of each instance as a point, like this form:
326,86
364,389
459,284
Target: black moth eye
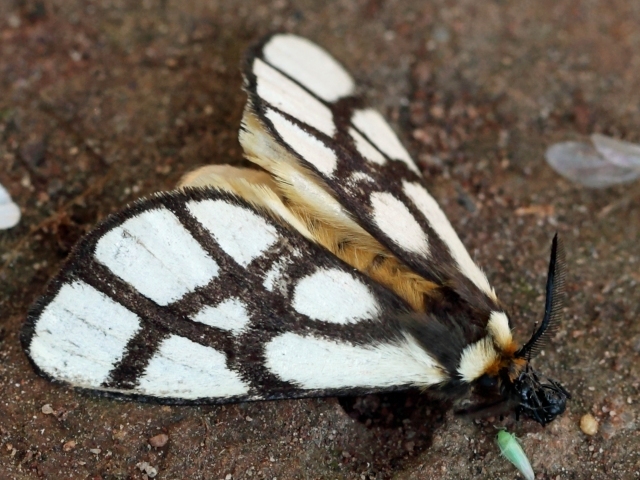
487,381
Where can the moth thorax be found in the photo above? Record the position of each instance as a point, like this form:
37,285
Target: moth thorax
506,366
516,367
512,364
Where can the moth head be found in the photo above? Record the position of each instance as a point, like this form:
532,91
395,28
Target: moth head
540,399
509,378
544,400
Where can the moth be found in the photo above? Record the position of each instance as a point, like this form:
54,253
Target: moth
329,270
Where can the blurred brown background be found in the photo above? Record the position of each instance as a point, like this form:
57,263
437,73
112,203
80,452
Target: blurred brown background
105,101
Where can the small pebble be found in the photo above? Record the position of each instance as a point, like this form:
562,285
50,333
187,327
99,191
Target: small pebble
589,424
147,469
68,446
46,409
151,471
95,451
14,20
159,440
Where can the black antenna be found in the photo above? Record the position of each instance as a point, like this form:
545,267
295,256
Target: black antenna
554,303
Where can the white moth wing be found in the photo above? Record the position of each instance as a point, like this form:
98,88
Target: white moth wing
353,154
309,65
618,152
198,296
9,211
582,163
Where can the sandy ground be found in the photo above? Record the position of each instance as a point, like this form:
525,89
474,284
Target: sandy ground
105,101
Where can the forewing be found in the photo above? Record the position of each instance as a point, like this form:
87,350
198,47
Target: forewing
197,296
304,100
